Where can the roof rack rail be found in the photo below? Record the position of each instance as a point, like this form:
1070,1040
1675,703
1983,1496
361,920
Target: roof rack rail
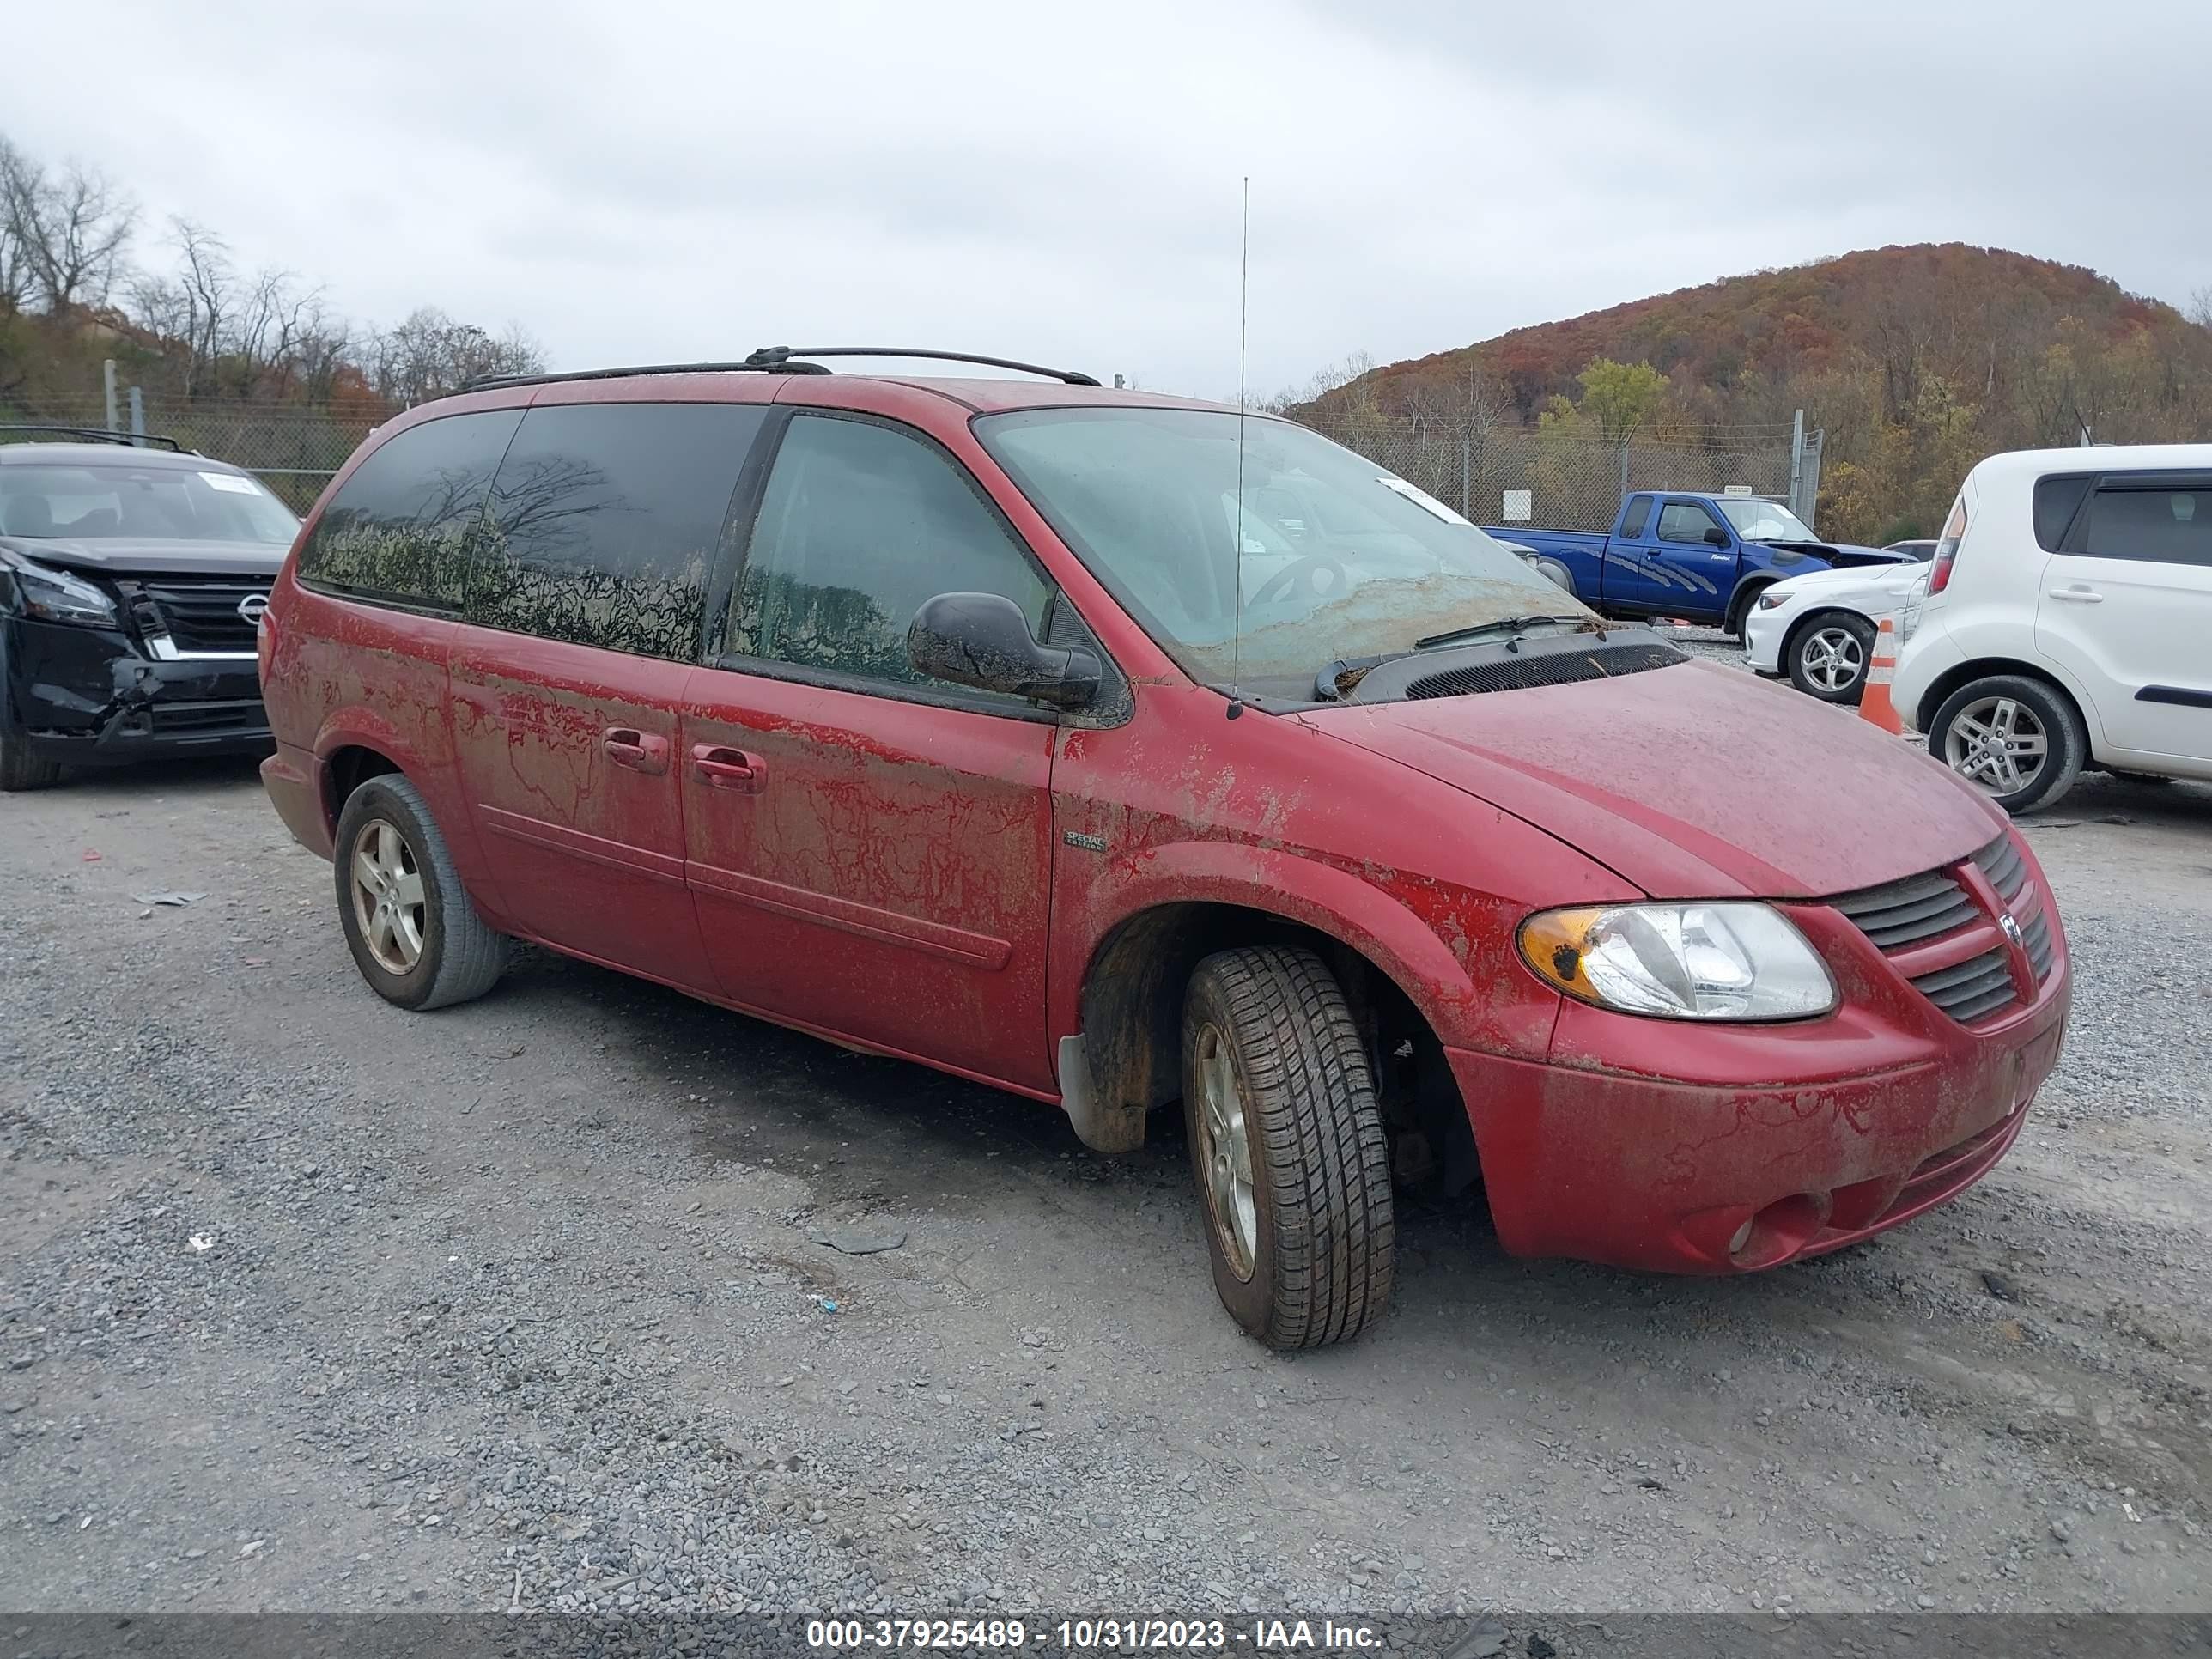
773,360
98,435
773,357
483,382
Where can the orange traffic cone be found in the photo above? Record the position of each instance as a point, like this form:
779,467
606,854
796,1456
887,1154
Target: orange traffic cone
1873,702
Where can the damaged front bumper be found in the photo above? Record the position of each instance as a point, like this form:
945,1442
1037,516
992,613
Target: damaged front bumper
90,696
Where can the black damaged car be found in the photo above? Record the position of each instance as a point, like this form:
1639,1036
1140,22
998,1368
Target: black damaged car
132,579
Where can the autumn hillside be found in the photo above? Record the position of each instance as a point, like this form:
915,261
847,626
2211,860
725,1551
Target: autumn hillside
1917,360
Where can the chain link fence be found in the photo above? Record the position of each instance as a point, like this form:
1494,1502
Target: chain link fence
1502,473
1495,473
291,449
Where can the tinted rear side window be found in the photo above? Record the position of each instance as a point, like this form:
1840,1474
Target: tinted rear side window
1638,515
402,527
2160,525
605,520
2056,500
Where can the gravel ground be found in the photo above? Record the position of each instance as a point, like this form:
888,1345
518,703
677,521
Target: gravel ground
309,1303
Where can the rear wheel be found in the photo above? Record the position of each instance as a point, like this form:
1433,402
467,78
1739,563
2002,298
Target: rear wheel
414,934
2018,740
1828,655
1287,1143
20,769
1557,573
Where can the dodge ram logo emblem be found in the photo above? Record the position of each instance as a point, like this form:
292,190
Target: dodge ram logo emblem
254,607
2011,927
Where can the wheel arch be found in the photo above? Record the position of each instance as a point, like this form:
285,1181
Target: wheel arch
1740,601
1976,668
1797,629
1408,988
344,769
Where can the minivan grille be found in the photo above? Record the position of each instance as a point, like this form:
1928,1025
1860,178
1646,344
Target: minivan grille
1901,915
2036,937
201,613
2002,863
1981,985
1903,912
1519,673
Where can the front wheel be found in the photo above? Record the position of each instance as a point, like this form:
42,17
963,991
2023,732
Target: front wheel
2017,740
20,769
1828,657
1287,1143
414,934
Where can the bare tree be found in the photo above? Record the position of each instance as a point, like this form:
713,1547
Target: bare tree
1318,385
15,281
429,354
2200,306
65,234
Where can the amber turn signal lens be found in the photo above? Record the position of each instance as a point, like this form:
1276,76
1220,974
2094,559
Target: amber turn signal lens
1556,945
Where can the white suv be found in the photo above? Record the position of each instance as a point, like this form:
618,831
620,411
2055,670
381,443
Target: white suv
2068,622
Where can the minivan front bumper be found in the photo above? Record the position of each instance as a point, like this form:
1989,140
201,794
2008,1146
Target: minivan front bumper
1636,1146
89,696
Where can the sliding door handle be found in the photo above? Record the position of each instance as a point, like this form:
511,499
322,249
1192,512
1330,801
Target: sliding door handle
723,768
640,751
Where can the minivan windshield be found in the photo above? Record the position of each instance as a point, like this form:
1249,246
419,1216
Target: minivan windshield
1319,556
96,500
1763,521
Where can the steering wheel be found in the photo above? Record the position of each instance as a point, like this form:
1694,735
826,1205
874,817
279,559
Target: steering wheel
1309,570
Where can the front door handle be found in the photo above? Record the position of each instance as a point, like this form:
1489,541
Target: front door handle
640,751
2078,594
721,768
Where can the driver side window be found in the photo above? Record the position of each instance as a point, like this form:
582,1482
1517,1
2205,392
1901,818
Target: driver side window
1686,521
860,524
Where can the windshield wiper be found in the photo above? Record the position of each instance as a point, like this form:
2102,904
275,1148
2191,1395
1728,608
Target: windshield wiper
1503,625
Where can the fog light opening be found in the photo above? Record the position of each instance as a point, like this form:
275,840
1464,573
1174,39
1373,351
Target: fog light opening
1780,1231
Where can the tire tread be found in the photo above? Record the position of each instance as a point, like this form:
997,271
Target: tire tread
1327,1159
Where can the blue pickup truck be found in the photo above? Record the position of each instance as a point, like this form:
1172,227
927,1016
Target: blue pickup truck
1676,553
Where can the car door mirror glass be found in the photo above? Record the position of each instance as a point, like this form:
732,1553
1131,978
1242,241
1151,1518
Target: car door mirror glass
984,641
1716,536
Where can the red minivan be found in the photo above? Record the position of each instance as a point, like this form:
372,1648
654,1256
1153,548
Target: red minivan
1116,749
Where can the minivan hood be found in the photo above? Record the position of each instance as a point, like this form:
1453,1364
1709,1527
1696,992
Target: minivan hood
131,555
1693,781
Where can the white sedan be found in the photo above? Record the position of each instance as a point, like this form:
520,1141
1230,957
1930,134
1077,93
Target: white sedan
1819,628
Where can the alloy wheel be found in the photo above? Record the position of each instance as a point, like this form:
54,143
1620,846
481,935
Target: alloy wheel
1225,1152
388,897
1998,744
1834,659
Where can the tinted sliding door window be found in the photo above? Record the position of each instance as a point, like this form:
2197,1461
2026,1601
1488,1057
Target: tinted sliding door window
405,526
2158,523
604,522
860,524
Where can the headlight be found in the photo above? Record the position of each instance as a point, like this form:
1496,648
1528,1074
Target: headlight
1770,600
1680,961
54,595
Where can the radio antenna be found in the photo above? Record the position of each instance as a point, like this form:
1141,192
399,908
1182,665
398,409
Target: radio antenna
1237,567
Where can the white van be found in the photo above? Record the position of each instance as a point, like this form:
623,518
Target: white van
2068,622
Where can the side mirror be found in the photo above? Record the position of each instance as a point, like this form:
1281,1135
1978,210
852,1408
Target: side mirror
983,640
1716,537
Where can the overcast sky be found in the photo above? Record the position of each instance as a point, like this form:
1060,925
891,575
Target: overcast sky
678,179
